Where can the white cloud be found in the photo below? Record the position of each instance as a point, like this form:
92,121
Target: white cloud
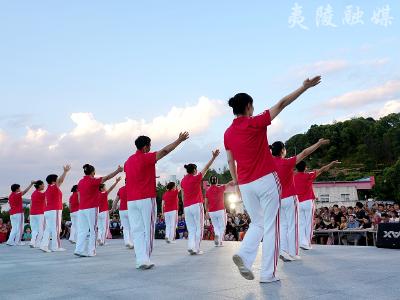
323,67
385,92
389,108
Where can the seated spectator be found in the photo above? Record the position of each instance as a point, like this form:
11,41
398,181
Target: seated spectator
343,223
337,214
229,237
3,231
115,227
318,224
333,224
385,217
27,234
352,223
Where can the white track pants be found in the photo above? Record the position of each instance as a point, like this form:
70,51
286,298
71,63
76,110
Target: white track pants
142,219
73,235
126,228
194,216
52,229
17,229
171,220
218,219
289,231
102,226
261,201
37,226
306,222
87,225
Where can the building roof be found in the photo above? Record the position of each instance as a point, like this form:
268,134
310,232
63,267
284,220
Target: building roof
366,183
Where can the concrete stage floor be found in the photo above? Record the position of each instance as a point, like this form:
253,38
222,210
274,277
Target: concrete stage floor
336,272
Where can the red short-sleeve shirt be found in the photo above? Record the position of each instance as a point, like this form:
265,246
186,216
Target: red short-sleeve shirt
74,202
303,183
285,173
140,170
171,200
247,140
215,197
53,198
15,201
103,201
123,204
38,203
191,186
88,188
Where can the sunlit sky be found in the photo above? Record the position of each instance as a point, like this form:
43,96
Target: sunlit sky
79,80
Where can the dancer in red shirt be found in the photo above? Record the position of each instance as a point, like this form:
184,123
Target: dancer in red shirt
215,208
36,217
253,169
103,218
123,216
88,189
288,213
193,203
169,208
17,214
140,170
53,211
73,212
303,183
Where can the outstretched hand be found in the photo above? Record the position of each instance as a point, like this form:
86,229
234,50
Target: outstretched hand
308,83
120,169
183,136
67,168
215,153
324,141
336,162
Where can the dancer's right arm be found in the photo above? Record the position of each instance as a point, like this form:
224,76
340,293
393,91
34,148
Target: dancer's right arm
287,100
28,188
306,152
112,175
327,167
115,203
215,154
183,136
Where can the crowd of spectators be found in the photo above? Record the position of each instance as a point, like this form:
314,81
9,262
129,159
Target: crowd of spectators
352,218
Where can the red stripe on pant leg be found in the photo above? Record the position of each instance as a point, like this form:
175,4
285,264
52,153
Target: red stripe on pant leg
296,218
276,242
21,227
58,229
201,224
312,221
95,227
151,236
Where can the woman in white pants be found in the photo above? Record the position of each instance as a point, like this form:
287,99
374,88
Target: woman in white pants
36,217
16,214
169,208
193,203
88,189
253,169
303,182
53,210
123,216
103,219
288,213
215,208
73,212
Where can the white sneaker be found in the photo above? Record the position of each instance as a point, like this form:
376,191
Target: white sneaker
269,280
32,246
296,257
172,242
199,252
285,256
59,250
20,244
72,242
191,252
10,244
45,249
145,266
244,271
80,254
129,246
216,238
91,255
305,247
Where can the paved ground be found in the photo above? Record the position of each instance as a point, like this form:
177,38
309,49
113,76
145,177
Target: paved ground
338,272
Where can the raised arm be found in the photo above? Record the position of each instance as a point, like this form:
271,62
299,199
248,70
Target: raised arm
113,174
327,167
114,185
215,154
114,204
287,100
28,188
306,152
61,179
183,136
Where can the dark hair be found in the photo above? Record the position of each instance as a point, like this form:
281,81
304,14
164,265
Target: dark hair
142,141
74,188
301,166
15,187
88,169
276,148
359,204
213,180
170,185
335,205
190,168
102,185
239,103
51,178
38,183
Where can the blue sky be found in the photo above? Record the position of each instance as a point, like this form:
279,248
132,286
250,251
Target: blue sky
135,60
